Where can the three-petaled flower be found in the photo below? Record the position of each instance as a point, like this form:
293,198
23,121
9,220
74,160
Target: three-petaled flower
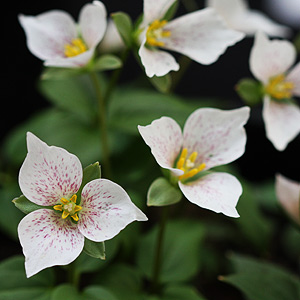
211,137
270,63
54,36
201,35
54,235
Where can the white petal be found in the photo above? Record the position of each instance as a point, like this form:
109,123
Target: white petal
164,138
201,35
228,9
92,23
282,121
107,209
155,10
270,58
157,62
48,240
288,194
48,173
47,33
218,192
217,135
294,76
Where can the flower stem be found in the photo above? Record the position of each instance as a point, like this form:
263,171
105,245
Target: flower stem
73,275
102,125
159,249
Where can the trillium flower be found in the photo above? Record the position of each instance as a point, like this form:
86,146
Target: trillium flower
201,35
54,36
270,63
238,16
51,177
288,194
210,138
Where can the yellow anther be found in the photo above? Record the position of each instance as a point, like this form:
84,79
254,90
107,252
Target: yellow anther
155,32
278,88
77,208
74,198
193,157
76,47
58,207
75,217
65,214
68,208
201,167
64,201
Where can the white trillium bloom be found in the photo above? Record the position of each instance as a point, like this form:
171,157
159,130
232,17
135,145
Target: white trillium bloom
202,36
210,138
270,63
238,16
54,36
51,177
288,194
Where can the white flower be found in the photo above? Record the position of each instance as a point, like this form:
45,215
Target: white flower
211,137
288,194
238,16
54,37
270,63
201,35
51,177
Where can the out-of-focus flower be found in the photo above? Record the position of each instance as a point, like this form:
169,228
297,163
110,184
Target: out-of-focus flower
54,36
211,137
51,177
270,63
202,36
288,194
238,16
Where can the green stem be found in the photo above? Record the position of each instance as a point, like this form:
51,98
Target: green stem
73,275
184,63
102,125
159,249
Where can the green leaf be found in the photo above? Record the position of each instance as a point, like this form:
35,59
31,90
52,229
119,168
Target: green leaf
26,206
124,26
250,91
162,84
65,292
98,293
107,62
180,255
26,294
162,192
179,292
59,73
94,249
260,280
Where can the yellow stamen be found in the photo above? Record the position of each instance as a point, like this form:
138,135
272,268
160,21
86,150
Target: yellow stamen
69,208
75,217
76,47
155,32
77,208
193,157
58,207
74,198
278,88
64,201
65,214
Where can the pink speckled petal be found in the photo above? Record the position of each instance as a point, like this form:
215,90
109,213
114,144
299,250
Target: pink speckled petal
202,35
48,240
218,192
48,173
92,22
288,194
294,76
48,32
164,138
217,135
106,210
282,122
155,10
269,58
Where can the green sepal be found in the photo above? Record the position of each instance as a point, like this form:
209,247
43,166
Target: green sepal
106,62
26,206
94,249
250,90
124,27
162,84
171,11
161,193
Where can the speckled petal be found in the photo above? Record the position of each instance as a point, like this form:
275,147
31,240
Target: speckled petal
288,194
217,135
48,240
218,192
294,76
164,137
48,173
202,35
269,58
106,210
282,122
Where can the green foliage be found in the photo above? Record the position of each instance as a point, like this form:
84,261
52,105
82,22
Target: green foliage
297,42
94,249
162,83
250,90
97,293
162,192
66,292
124,27
180,292
26,206
107,62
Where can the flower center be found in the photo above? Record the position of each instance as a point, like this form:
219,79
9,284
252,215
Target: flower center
278,88
76,47
69,208
187,164
155,32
